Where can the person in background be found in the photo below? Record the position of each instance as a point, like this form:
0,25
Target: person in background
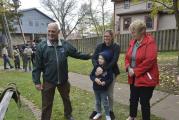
51,59
27,58
6,59
110,45
141,66
33,53
16,54
101,83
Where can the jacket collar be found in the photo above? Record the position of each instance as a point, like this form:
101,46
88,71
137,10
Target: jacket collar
104,44
144,41
49,43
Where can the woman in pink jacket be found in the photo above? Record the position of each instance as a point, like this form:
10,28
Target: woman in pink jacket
142,68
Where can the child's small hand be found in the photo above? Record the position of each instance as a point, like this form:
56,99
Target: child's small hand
99,71
98,81
103,83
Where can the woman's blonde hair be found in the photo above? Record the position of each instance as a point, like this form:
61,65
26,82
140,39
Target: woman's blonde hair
137,26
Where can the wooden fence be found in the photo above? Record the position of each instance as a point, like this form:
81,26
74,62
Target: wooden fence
167,40
86,45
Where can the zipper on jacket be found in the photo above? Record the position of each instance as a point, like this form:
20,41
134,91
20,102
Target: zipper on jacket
148,74
55,46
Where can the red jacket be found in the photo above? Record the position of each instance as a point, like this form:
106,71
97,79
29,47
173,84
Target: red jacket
146,70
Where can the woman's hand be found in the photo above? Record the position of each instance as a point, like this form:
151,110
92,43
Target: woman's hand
130,71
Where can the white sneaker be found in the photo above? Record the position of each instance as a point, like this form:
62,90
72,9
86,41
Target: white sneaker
108,118
130,118
98,115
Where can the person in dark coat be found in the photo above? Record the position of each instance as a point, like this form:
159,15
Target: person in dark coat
51,59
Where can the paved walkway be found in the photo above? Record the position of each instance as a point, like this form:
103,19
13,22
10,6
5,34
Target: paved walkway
164,105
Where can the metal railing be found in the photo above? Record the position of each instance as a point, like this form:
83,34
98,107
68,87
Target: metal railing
5,97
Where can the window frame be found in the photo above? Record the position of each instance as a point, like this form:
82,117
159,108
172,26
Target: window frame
128,19
147,22
126,4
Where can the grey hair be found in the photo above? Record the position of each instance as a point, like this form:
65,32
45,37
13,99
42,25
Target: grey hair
137,26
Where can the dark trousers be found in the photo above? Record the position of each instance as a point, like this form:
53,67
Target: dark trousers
17,62
142,94
48,97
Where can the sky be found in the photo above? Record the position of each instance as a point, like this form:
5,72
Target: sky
25,4
36,3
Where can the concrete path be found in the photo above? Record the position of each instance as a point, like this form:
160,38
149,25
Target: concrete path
164,105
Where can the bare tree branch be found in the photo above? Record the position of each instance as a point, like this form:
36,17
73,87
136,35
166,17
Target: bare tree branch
63,10
164,4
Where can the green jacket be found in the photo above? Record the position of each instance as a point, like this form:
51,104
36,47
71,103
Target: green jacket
52,61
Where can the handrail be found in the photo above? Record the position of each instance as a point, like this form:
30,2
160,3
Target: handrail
5,97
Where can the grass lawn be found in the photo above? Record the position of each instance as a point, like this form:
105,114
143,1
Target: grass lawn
13,113
82,101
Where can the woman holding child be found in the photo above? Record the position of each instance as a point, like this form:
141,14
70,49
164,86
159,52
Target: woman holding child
112,51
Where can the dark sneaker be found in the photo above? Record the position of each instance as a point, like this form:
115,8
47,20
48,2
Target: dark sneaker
92,114
112,115
69,117
11,67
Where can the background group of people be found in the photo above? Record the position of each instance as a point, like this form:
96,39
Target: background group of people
140,63
27,53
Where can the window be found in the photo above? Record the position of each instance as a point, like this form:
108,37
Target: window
126,23
126,4
118,25
149,5
30,23
36,23
149,22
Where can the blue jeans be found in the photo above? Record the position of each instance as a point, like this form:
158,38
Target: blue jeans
102,97
6,61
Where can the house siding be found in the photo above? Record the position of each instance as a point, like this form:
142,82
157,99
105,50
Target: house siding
134,6
138,10
35,17
167,22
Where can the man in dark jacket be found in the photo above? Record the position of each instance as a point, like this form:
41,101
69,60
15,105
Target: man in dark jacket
51,59
108,44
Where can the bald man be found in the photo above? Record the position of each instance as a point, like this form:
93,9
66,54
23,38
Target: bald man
51,60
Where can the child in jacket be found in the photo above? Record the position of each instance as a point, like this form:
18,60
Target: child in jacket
101,83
